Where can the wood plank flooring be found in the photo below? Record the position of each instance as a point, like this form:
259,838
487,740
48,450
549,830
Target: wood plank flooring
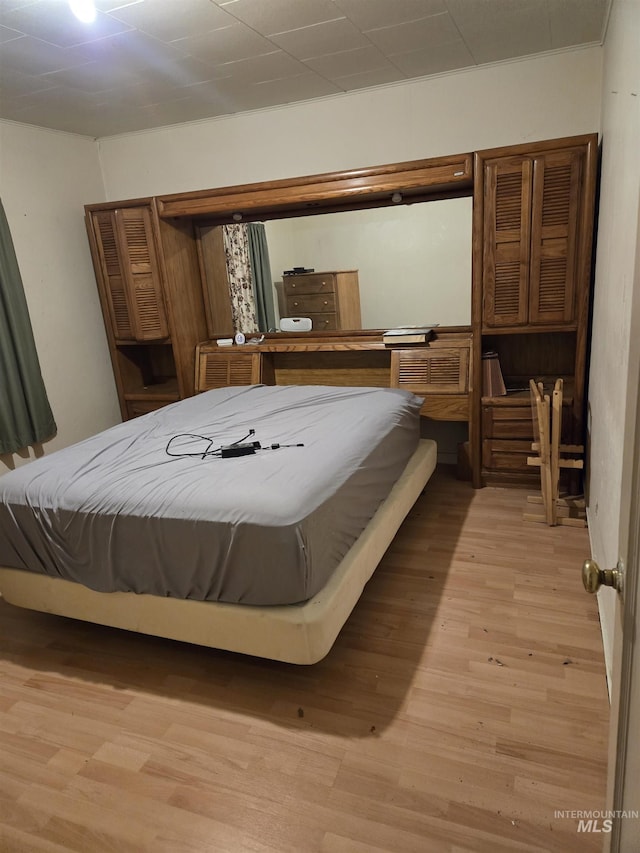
463,704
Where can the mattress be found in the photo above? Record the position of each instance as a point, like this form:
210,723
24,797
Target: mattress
118,513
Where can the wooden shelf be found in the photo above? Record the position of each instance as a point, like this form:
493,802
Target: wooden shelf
165,389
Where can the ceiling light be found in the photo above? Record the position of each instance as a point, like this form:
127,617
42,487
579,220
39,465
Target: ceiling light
84,10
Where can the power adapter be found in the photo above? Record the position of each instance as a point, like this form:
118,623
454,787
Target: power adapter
246,449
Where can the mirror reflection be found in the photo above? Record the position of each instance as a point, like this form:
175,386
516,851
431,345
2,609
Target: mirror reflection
413,262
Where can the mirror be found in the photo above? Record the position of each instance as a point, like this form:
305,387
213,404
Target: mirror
413,261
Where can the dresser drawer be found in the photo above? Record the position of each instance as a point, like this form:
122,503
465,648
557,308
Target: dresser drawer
507,455
507,422
309,283
323,322
311,303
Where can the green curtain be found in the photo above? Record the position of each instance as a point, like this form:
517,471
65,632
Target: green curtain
262,282
25,414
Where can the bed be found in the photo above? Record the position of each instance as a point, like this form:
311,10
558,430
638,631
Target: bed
246,518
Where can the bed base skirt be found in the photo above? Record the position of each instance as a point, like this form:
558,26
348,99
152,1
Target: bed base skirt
300,634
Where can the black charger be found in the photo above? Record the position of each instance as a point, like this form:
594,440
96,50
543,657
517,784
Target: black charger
247,449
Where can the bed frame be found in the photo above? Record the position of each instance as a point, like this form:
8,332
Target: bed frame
301,634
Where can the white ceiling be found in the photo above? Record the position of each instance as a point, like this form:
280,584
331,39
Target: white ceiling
150,63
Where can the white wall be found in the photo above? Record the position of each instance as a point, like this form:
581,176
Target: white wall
45,179
615,353
508,103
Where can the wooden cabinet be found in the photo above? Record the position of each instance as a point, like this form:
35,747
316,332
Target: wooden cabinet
530,238
151,297
534,209
158,266
330,299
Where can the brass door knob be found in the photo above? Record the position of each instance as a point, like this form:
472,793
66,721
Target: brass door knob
593,577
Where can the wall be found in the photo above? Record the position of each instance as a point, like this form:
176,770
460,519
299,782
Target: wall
507,103
615,352
45,179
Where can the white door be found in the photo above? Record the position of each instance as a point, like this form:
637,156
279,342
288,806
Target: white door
623,789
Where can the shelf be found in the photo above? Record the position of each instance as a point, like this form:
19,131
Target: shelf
165,389
522,396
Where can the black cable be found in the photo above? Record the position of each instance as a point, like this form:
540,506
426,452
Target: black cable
201,454
218,450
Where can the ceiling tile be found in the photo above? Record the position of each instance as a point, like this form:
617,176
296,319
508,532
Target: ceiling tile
7,34
500,29
361,60
320,39
293,89
226,45
94,77
371,14
32,56
272,66
56,24
278,16
577,22
19,85
367,79
417,35
434,60
134,51
167,21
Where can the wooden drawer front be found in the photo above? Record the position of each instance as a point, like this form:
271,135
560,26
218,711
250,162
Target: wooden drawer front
507,422
312,303
135,408
323,322
507,455
431,371
311,283
221,369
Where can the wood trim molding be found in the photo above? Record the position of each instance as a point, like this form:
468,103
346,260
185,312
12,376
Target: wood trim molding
417,180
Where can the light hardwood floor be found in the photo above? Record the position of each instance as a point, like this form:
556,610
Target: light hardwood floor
462,705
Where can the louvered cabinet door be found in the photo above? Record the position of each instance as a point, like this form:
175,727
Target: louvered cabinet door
506,248
142,274
557,179
222,369
443,370
114,288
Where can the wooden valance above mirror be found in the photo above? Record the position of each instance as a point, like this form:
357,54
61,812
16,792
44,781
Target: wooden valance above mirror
379,186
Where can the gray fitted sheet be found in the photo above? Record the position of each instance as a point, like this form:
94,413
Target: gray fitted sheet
116,513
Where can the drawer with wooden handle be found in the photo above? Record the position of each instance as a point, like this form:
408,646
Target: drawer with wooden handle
310,303
326,322
506,455
507,422
310,283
